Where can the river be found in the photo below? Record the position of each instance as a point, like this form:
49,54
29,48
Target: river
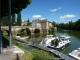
74,38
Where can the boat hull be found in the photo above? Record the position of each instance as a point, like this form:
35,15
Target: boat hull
60,48
73,57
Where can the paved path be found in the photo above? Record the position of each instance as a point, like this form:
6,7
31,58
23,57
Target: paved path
7,56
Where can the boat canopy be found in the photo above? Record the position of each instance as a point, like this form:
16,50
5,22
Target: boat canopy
66,37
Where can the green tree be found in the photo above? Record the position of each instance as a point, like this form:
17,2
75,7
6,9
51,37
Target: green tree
29,23
5,21
13,19
70,25
52,29
77,24
54,23
19,20
16,6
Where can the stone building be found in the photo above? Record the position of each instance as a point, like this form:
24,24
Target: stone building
24,23
44,23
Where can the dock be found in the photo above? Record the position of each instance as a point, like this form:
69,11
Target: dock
61,55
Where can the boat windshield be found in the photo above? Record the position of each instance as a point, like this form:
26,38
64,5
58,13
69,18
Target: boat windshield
62,36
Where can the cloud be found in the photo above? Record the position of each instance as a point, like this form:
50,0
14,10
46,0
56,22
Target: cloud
23,20
36,16
42,18
54,10
67,16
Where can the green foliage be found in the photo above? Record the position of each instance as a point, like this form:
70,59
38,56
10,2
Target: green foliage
34,54
77,23
29,23
16,6
5,21
4,32
54,23
27,54
28,31
59,40
52,29
70,25
41,55
49,31
19,20
22,32
13,19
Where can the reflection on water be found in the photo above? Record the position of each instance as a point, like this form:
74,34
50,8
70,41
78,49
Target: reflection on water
75,39
37,38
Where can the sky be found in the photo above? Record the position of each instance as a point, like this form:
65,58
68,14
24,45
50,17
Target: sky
59,11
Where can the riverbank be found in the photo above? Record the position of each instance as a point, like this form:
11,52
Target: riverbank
13,53
31,54
27,55
54,52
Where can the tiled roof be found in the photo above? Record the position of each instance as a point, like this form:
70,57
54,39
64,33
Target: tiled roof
40,21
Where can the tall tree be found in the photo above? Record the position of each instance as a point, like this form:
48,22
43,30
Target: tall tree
16,6
5,9
19,20
5,21
28,21
13,19
78,24
54,23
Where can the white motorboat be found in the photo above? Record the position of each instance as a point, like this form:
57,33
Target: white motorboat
75,54
47,40
55,42
23,38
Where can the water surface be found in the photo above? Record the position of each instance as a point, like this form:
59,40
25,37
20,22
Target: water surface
74,44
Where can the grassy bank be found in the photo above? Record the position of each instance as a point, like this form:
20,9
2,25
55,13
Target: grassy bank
32,54
27,54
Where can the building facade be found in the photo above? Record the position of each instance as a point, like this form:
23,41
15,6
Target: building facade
44,23
24,23
36,24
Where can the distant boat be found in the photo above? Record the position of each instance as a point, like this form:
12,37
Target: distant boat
75,54
56,43
23,38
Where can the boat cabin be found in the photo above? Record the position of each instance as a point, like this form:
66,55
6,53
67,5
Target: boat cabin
64,37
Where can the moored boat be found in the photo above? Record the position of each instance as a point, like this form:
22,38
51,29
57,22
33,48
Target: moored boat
75,54
23,38
56,43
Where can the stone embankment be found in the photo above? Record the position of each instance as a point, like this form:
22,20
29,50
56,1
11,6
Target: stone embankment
14,53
